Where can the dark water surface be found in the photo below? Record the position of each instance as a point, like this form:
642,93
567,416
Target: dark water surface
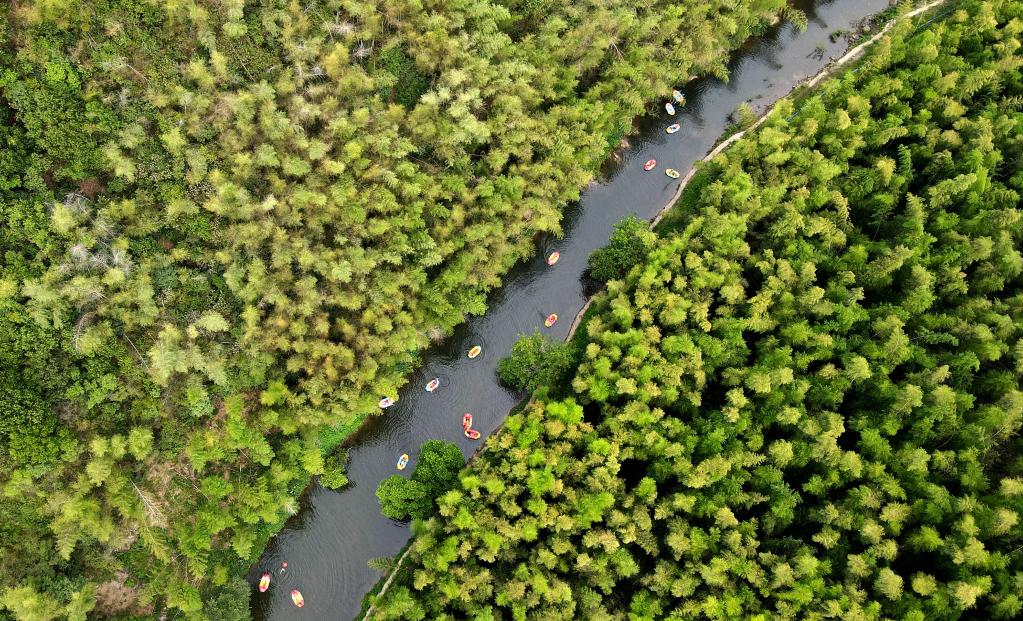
329,541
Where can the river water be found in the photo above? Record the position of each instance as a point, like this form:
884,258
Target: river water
328,543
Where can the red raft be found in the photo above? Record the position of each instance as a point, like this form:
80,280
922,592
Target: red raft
649,164
467,429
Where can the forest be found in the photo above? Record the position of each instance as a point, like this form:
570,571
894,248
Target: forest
803,400
228,227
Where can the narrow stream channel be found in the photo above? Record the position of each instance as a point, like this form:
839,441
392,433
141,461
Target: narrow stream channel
328,543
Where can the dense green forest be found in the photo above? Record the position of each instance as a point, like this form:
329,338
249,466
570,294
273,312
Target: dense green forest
804,401
229,226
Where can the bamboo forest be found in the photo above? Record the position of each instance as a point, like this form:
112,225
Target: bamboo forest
232,229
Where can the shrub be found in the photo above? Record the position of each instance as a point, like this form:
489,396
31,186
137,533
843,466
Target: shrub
629,244
333,476
535,361
435,474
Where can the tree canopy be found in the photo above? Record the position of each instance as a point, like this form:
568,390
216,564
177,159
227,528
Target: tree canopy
435,474
229,226
805,402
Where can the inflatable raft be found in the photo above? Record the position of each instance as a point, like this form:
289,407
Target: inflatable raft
296,597
649,164
551,260
475,351
467,429
671,172
386,402
432,385
551,319
678,96
264,582
402,461
671,129
670,109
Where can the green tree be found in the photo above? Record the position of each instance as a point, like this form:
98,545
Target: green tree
401,498
438,466
333,476
629,244
535,360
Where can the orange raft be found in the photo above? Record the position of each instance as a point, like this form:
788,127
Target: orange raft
432,384
475,351
551,320
467,420
551,260
402,461
264,582
296,598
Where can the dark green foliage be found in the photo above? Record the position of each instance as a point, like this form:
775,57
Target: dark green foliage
535,360
231,602
409,84
438,466
436,472
629,244
29,432
807,395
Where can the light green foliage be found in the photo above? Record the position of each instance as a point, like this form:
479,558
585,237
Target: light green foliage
402,498
228,227
806,397
333,476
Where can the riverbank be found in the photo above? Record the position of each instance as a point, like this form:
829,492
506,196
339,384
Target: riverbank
854,53
745,330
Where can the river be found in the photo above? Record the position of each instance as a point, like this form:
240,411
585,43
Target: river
329,541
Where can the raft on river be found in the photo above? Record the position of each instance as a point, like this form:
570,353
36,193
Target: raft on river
551,260
386,402
671,129
671,172
432,385
670,109
650,164
402,461
264,582
475,351
467,429
551,320
296,598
